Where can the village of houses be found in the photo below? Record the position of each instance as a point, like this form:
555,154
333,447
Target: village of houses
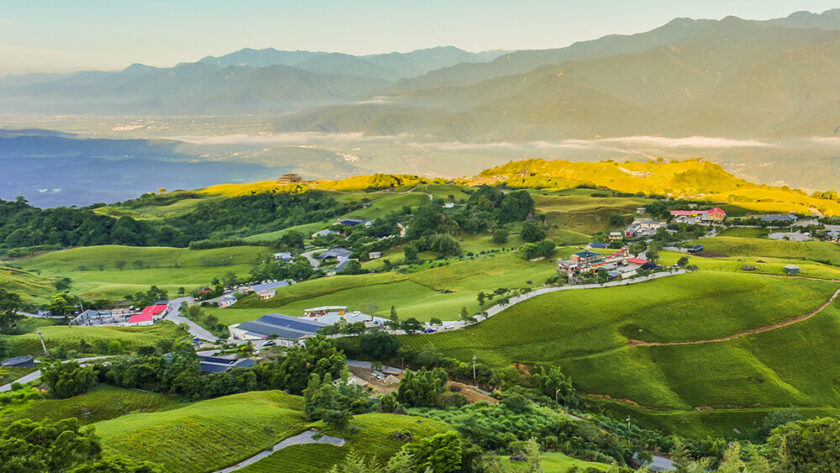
611,257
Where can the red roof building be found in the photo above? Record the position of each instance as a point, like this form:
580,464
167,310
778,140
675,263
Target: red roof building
148,314
637,261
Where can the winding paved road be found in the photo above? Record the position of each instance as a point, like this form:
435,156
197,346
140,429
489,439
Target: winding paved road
174,315
299,439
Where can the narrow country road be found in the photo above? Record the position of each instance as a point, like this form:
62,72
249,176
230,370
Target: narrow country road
37,374
314,262
299,439
174,315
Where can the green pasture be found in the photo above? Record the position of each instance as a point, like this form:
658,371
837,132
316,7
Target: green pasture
31,287
102,403
586,331
70,336
745,232
437,292
114,271
8,375
762,264
819,251
556,462
206,435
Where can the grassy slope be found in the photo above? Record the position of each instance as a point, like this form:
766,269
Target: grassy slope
242,425
555,462
790,250
417,294
69,336
697,179
585,332
206,435
95,271
372,440
32,287
763,264
102,403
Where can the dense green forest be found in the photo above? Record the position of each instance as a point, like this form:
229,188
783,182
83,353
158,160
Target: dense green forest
22,225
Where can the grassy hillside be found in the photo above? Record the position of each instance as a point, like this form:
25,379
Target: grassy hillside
102,403
32,288
115,271
691,179
586,332
436,292
189,438
248,423
788,250
70,337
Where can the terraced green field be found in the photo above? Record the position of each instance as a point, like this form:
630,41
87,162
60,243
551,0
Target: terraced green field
115,271
586,332
206,435
70,336
102,403
437,292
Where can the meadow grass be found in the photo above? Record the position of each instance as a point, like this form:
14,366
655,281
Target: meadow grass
206,435
439,292
70,337
101,403
7,375
792,251
114,271
745,232
586,333
31,287
556,462
762,264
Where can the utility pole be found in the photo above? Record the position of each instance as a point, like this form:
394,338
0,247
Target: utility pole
44,345
556,394
474,378
628,424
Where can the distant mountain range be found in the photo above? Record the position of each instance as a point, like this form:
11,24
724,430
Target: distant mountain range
731,78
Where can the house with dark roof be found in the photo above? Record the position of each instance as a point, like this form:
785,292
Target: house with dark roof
339,254
784,219
352,222
286,329
19,362
220,364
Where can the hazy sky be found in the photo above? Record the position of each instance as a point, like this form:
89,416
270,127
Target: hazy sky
69,35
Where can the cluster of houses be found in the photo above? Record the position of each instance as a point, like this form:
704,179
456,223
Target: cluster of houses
646,227
125,317
620,264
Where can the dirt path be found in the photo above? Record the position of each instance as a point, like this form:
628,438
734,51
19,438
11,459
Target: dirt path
767,328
